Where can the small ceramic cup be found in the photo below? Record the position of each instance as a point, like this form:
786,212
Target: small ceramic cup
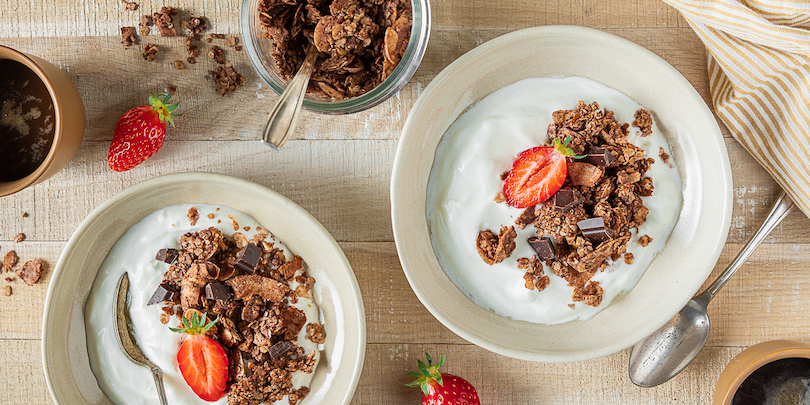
68,122
751,360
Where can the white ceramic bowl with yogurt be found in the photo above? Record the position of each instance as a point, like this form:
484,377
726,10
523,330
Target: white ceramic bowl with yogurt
64,341
697,148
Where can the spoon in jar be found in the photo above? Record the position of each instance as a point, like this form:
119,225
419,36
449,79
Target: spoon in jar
127,342
671,348
281,123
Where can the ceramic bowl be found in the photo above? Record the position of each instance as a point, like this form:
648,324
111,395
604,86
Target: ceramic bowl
750,360
68,122
64,345
698,149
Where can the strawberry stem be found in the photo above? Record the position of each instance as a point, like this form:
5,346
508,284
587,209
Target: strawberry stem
563,148
427,375
196,326
165,111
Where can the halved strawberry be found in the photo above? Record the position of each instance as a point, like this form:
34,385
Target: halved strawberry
202,361
537,174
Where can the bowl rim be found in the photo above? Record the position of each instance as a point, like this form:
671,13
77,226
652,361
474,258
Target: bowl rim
401,75
400,224
11,187
353,300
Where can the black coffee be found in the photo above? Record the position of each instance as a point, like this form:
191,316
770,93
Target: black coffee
26,121
782,382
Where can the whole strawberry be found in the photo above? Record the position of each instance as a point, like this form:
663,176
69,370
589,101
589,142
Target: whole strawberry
442,389
140,132
202,361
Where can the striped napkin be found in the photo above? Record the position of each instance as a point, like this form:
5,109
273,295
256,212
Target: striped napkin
759,75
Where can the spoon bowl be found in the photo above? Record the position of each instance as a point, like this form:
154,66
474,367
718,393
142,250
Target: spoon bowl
680,340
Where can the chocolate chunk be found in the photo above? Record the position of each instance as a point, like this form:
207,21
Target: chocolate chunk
167,255
543,248
280,348
600,157
164,292
248,258
566,199
217,292
595,230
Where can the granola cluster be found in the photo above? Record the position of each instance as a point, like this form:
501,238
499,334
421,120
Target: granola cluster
361,41
588,222
251,287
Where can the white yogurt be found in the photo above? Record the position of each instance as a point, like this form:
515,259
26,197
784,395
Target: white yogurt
482,144
123,381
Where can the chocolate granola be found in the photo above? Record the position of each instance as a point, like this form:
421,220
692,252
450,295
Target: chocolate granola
600,201
361,41
258,326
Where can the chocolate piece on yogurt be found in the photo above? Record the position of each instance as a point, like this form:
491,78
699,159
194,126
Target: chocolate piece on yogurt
543,248
164,292
280,348
167,255
248,258
599,157
217,292
595,230
566,199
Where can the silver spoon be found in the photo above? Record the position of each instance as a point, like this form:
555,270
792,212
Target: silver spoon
125,339
671,348
281,123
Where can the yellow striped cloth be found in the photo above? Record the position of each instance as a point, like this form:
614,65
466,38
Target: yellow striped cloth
759,75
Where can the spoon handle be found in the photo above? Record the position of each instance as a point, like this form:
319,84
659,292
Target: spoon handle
783,206
281,123
158,376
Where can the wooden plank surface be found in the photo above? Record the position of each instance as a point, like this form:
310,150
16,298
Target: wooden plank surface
338,168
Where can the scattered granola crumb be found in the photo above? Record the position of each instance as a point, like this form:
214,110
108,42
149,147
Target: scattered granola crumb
164,23
315,333
226,78
9,279
164,318
210,216
504,175
217,54
644,240
628,258
7,291
30,272
217,209
19,238
235,224
146,20
195,26
193,215
238,47
219,221
230,41
643,122
10,260
499,198
130,5
128,36
150,52
493,249
144,30
209,40
591,294
179,64
173,89
25,215
191,60
664,156
572,306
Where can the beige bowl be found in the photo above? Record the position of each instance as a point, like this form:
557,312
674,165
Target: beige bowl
68,125
750,360
698,151
64,345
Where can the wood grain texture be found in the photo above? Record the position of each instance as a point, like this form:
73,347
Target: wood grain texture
338,168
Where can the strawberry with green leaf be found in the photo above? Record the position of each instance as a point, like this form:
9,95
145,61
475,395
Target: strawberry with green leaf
537,174
140,132
442,389
202,361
